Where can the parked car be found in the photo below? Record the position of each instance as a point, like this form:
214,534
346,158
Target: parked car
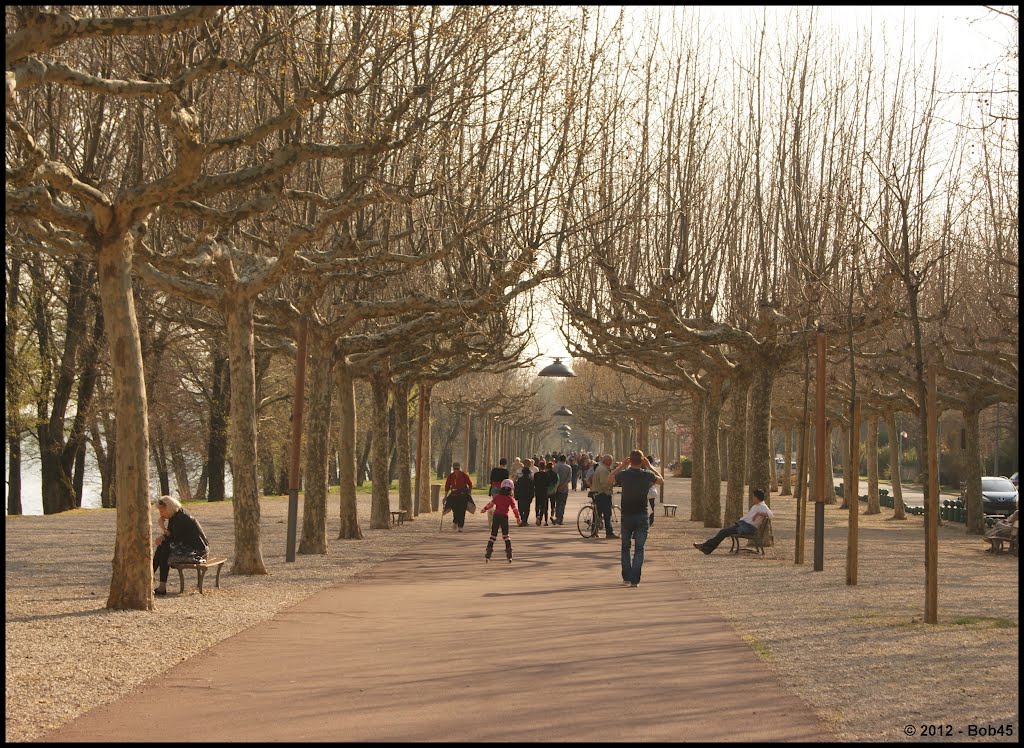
1015,480
998,495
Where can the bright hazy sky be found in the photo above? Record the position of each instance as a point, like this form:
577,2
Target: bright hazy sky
969,37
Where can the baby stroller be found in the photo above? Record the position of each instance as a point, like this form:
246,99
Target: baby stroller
458,502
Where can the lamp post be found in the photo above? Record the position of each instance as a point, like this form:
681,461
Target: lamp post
557,369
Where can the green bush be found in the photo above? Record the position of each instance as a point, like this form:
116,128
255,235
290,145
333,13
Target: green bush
685,469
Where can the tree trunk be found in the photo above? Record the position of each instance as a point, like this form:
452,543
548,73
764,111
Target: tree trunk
403,450
105,461
13,391
160,458
844,446
347,450
423,449
58,491
380,504
871,453
318,427
180,472
830,482
131,584
364,458
760,431
737,452
643,427
712,459
972,473
202,483
697,491
217,447
786,487
898,510
238,311
14,474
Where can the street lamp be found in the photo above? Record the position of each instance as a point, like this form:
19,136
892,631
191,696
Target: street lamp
563,411
557,369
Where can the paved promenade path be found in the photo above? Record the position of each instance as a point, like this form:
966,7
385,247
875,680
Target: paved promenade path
435,645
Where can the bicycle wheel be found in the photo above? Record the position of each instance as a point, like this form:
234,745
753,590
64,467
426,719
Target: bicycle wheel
616,521
585,521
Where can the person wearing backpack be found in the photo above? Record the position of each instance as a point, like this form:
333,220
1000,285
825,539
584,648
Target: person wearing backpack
524,492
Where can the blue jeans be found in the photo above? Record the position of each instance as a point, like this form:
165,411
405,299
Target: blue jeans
558,506
741,528
634,528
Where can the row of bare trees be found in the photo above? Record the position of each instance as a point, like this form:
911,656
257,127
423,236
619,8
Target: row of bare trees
392,180
196,186
754,190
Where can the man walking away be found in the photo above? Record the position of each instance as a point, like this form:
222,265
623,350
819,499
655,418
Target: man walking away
564,473
524,492
636,476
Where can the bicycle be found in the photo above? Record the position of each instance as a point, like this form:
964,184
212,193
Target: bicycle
589,522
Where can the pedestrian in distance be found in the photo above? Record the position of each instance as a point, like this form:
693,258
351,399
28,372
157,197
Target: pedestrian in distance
743,526
541,483
501,502
601,487
575,467
498,474
636,475
458,488
564,475
524,493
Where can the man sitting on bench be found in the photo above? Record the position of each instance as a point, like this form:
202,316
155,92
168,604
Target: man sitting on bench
1001,529
744,525
183,540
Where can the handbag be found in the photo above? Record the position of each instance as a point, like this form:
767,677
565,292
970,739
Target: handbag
471,506
184,554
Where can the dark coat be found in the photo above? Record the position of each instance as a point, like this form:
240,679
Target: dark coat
186,536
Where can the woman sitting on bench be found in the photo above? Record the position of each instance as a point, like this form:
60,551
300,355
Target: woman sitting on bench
183,540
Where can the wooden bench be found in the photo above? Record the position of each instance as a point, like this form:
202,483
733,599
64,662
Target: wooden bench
759,538
673,507
201,569
398,516
996,543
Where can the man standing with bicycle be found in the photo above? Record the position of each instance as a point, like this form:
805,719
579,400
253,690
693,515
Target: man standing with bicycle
636,475
601,487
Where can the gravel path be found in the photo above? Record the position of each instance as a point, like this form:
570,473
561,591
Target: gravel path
859,655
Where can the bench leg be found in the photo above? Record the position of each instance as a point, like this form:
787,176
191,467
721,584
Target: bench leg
201,572
217,580
181,579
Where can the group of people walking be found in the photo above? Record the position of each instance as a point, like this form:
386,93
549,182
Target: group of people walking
547,482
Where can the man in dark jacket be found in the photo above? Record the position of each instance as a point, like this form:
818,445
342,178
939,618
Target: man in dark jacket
524,493
542,481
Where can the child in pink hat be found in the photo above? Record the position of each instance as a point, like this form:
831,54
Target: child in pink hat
501,502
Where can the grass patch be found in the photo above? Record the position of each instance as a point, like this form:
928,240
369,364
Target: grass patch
759,647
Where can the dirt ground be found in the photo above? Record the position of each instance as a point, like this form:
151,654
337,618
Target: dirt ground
860,655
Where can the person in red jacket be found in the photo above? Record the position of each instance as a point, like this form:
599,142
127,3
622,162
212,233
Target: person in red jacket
501,503
458,488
